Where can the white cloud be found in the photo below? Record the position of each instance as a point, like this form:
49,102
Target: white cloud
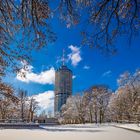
86,67
27,75
107,73
75,55
46,100
74,76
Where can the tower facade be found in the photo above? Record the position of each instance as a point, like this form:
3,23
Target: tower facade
63,86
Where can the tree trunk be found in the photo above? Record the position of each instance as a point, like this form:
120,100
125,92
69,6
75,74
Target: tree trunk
96,121
91,120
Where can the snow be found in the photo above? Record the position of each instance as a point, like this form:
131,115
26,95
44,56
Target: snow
135,127
70,132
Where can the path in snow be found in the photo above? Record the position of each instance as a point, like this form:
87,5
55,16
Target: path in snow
70,133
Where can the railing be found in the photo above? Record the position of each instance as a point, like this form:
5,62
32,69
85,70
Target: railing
17,124
13,121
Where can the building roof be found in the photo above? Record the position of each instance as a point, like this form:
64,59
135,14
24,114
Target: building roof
63,67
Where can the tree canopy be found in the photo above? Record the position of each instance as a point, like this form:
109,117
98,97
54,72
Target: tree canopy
104,21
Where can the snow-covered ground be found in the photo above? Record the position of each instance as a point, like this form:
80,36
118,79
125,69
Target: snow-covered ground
81,127
70,132
135,127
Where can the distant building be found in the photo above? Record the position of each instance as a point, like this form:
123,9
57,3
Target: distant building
63,86
46,121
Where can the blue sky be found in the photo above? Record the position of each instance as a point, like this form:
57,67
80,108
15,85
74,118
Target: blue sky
91,67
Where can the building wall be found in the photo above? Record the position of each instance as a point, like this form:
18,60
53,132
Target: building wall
63,86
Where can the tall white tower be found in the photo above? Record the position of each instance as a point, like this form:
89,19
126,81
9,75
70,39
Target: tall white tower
63,85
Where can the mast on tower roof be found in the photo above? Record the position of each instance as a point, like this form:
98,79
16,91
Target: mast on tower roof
63,57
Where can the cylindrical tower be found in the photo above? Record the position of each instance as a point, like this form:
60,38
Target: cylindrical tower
63,86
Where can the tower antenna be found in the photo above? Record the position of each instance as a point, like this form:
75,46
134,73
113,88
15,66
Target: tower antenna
63,57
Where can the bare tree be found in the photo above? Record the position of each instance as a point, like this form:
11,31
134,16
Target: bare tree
105,20
88,102
4,107
89,107
33,106
8,101
22,95
7,91
74,110
25,19
22,109
69,111
7,108
125,105
100,99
